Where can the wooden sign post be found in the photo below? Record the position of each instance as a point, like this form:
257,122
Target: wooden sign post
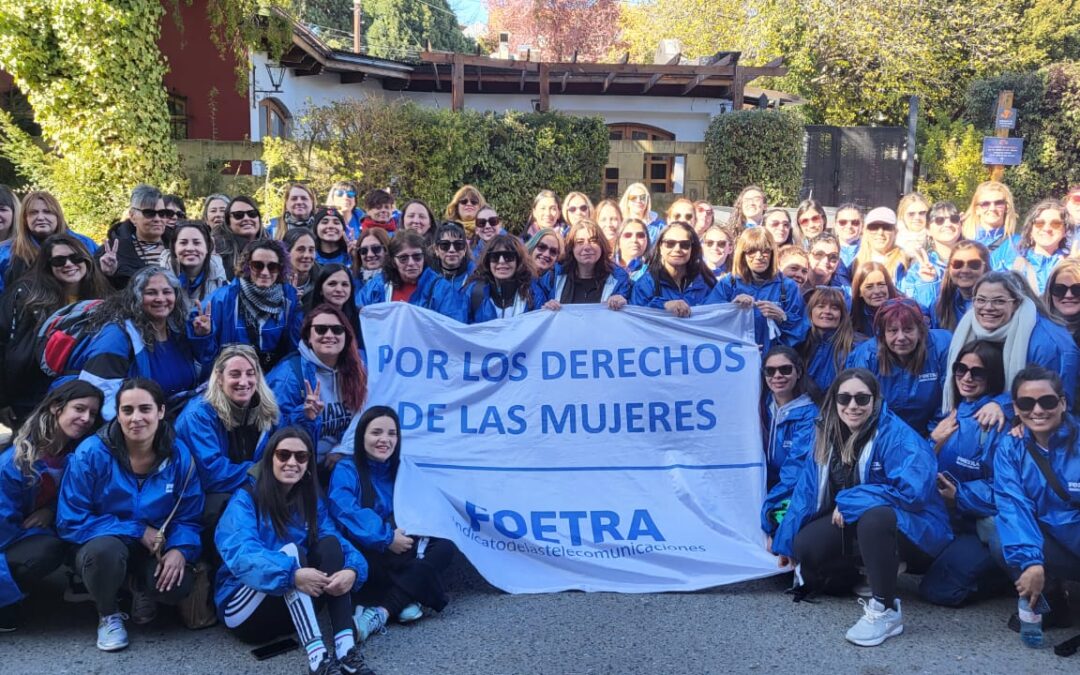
1004,102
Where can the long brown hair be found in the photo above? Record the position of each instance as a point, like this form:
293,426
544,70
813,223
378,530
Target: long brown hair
905,312
23,245
858,305
843,338
829,434
945,307
351,376
44,293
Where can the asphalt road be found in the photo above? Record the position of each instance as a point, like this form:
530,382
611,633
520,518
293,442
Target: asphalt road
747,628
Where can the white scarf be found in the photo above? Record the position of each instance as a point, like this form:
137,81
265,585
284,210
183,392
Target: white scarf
1015,335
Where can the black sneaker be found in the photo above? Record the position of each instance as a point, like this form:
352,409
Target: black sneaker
328,666
10,618
353,663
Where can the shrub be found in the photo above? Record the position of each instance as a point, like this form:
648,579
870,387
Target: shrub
763,148
950,160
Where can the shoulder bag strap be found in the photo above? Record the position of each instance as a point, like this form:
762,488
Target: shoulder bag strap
160,543
1048,473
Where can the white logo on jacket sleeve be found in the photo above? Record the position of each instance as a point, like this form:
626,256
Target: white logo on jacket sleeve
168,488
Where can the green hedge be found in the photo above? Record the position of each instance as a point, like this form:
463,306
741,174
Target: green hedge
756,147
427,154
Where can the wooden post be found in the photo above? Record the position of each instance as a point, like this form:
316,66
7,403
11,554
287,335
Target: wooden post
545,87
457,87
357,20
1005,101
909,165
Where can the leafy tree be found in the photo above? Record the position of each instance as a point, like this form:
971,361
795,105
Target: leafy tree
397,28
703,27
555,29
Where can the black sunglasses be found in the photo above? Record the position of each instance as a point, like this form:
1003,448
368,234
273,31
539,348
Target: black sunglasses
873,227
162,213
941,220
62,260
544,248
1059,291
1047,403
504,256
771,371
444,246
683,244
960,370
844,399
973,265
260,266
301,456
253,213
374,249
493,221
321,328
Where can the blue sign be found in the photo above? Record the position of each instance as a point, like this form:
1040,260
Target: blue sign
1006,119
1003,151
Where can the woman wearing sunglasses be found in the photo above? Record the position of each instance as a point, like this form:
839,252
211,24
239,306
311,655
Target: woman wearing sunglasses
811,218
503,284
192,259
1062,295
370,255
756,283
965,446
788,416
588,275
778,223
1004,310
486,226
283,560
929,263
824,256
831,336
678,277
717,244
1035,479
867,496
344,197
131,502
403,570
336,287
849,230
546,249
324,384
453,261
243,225
909,360
1042,243
63,273
258,308
465,207
575,207
407,277
949,296
636,203
991,217
31,471
331,244
632,248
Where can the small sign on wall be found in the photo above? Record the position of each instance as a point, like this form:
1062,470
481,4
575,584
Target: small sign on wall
1003,151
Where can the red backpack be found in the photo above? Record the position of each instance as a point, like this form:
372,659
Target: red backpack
61,333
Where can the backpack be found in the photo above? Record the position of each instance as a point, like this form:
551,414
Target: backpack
60,334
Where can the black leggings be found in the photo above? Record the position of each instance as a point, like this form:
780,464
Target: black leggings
825,550
34,558
395,580
255,617
105,562
1059,563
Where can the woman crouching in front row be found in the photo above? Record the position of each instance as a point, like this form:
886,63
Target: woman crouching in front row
868,491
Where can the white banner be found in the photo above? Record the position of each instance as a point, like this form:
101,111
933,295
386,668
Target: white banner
581,449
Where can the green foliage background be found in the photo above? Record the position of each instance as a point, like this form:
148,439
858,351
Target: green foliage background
755,147
427,154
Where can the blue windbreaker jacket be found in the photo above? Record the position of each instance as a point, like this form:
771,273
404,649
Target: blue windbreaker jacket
1033,266
368,529
432,292
969,456
228,323
645,294
779,290
789,440
487,309
201,433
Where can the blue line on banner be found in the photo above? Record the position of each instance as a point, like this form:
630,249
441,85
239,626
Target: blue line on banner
459,467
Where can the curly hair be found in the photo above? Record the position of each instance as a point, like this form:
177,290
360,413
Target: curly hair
127,305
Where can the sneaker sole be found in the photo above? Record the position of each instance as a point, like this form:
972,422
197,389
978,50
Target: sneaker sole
875,642
111,648
142,621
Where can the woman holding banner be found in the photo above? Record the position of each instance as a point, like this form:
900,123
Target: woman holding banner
868,492
403,570
406,276
678,276
502,285
588,275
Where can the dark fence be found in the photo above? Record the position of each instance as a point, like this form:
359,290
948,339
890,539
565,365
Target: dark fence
864,165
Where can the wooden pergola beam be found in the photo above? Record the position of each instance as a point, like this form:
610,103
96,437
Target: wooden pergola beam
612,73
566,75
457,87
656,78
545,86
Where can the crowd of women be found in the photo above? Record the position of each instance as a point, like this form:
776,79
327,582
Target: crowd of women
188,396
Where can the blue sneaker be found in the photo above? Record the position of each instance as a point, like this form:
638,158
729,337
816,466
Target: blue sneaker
372,621
412,612
111,634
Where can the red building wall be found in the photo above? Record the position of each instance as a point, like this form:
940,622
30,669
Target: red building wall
196,69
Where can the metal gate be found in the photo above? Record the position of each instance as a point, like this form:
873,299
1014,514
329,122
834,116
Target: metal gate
864,165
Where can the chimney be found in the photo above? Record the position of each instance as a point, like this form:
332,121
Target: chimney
667,50
357,16
504,45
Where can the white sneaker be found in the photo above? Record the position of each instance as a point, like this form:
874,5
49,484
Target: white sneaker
412,612
111,634
877,624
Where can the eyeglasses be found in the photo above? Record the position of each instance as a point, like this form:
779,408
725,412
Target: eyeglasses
177,214
484,223
973,265
1056,224
941,220
446,245
809,219
633,235
976,372
670,244
874,227
468,201
721,243
996,203
822,255
1047,403
159,213
259,266
301,456
244,214
374,249
506,256
853,223
62,260
771,371
405,258
335,328
994,303
584,208
351,194
1059,291
844,399
544,248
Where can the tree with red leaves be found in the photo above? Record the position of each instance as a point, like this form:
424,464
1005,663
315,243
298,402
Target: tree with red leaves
555,29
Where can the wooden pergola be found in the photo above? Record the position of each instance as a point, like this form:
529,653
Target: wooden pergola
720,77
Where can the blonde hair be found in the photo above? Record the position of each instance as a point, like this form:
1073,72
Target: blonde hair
624,202
971,221
266,414
753,238
464,191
